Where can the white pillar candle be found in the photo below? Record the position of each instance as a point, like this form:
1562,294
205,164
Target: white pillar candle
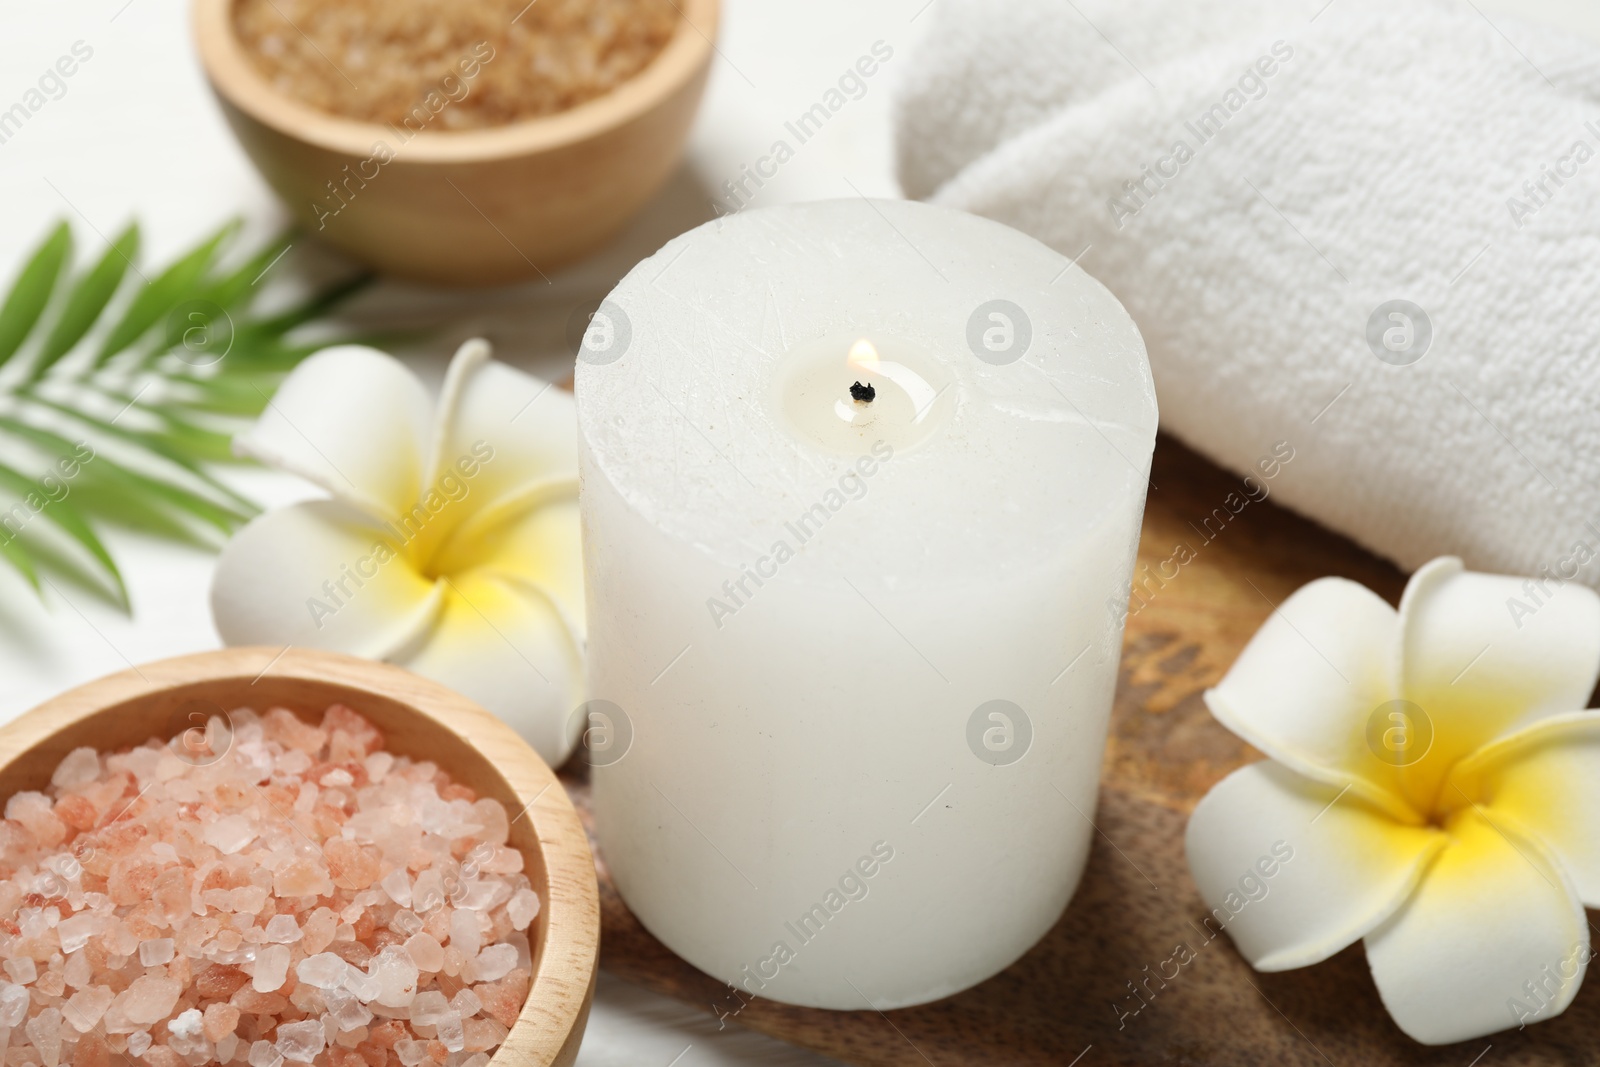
858,655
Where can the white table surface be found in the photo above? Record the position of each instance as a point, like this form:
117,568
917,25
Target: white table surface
137,135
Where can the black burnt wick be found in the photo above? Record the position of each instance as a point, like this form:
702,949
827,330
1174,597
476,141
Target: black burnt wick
863,393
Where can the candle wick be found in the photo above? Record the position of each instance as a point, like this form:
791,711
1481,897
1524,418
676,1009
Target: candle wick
863,393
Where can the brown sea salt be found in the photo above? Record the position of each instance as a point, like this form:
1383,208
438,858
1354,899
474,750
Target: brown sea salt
467,64
303,898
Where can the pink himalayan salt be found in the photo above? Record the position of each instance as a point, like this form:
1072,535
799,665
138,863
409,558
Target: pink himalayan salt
522,908
13,1005
425,951
451,1032
465,935
77,970
85,1007
203,878
81,767
481,1034
300,1042
156,951
149,999
492,964
502,1000
220,1020
283,929
271,968
466,1002
51,983
92,1051
44,1032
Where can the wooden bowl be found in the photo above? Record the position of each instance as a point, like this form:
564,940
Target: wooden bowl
473,207
420,719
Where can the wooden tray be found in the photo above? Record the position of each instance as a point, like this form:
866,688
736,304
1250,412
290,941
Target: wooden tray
1067,1001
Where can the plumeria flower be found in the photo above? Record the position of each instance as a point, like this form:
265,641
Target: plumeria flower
1431,789
448,542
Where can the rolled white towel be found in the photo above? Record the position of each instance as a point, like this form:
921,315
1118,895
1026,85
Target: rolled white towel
1371,231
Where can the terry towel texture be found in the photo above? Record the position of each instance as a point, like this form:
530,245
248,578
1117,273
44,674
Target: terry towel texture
1260,183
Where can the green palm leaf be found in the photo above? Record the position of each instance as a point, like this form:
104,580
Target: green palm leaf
32,290
89,298
120,392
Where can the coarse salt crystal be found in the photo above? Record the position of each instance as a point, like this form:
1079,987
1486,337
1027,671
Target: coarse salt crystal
77,971
229,834
427,892
85,1007
398,885
76,931
81,766
522,908
302,878
519,941
283,929
429,1007
263,1054
220,1021
139,1042
425,951
271,968
397,976
324,970
319,928
295,762
466,1002
22,969
156,952
13,1005
185,1023
347,1012
149,999
465,933
248,899
378,765
451,1032
300,1042
492,964
44,1030
411,1052
484,895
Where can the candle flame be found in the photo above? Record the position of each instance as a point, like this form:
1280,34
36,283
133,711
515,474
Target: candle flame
863,358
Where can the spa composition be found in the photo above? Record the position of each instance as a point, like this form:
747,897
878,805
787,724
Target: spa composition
861,485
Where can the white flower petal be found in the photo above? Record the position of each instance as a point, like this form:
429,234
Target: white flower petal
1494,924
1478,670
510,651
1546,778
1296,870
313,575
352,420
1306,685
530,424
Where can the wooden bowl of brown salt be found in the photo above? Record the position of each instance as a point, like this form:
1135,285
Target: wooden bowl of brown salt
467,143
272,859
